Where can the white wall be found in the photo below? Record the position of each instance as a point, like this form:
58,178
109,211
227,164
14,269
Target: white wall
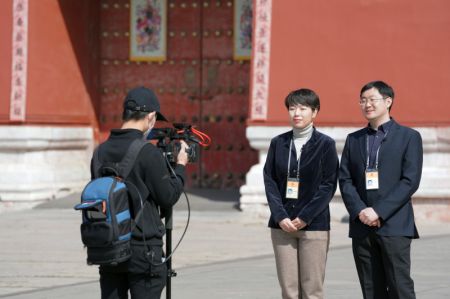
41,163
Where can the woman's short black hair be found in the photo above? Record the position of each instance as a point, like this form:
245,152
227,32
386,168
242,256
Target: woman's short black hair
303,96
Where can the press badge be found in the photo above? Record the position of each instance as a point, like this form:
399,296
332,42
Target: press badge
293,185
371,179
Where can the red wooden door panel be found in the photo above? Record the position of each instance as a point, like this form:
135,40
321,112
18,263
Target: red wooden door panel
199,83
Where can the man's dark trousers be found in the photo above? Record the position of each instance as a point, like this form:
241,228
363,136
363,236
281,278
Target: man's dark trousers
117,285
384,261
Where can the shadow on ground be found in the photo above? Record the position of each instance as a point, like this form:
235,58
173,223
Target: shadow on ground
199,200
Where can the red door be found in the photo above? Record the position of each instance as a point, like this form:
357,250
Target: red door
199,83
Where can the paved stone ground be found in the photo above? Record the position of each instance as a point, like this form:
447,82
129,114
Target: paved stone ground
225,254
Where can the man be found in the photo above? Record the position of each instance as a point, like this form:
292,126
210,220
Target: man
144,275
380,170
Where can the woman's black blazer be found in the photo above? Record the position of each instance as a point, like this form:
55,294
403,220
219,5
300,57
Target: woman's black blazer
319,167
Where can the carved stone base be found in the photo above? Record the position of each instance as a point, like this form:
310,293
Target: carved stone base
40,163
434,190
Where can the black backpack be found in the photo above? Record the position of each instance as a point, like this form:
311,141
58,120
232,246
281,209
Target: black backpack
106,220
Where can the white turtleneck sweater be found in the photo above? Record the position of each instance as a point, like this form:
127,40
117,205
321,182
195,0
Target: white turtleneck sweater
301,136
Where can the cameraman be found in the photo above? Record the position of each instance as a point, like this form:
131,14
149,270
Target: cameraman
144,274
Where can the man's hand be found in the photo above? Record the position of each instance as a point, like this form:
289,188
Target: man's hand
298,223
287,225
182,157
376,223
368,216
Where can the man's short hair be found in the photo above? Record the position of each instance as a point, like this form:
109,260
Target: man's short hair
303,96
133,115
385,90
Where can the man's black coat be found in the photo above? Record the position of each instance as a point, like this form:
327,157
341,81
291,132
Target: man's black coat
400,169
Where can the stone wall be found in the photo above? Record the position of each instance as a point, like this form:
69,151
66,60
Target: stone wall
40,163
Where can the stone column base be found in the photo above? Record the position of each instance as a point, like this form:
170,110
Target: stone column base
40,163
429,201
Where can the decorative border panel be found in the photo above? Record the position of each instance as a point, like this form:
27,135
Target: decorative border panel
261,59
19,60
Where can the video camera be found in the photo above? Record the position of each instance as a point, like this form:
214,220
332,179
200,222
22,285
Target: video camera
169,141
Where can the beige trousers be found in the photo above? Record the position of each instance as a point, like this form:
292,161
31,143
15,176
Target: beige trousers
300,258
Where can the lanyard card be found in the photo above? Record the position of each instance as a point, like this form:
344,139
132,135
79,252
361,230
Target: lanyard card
371,179
293,185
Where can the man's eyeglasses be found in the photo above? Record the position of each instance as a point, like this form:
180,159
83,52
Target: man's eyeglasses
364,101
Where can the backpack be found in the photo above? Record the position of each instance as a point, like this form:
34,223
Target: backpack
106,220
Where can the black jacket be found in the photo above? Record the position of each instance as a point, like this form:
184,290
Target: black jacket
158,189
318,180
400,169
151,176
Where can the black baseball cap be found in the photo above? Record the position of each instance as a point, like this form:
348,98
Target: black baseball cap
143,99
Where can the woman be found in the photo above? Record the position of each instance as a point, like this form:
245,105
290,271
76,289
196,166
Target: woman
300,177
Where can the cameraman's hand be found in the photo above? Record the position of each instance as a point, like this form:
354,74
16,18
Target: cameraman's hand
182,157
